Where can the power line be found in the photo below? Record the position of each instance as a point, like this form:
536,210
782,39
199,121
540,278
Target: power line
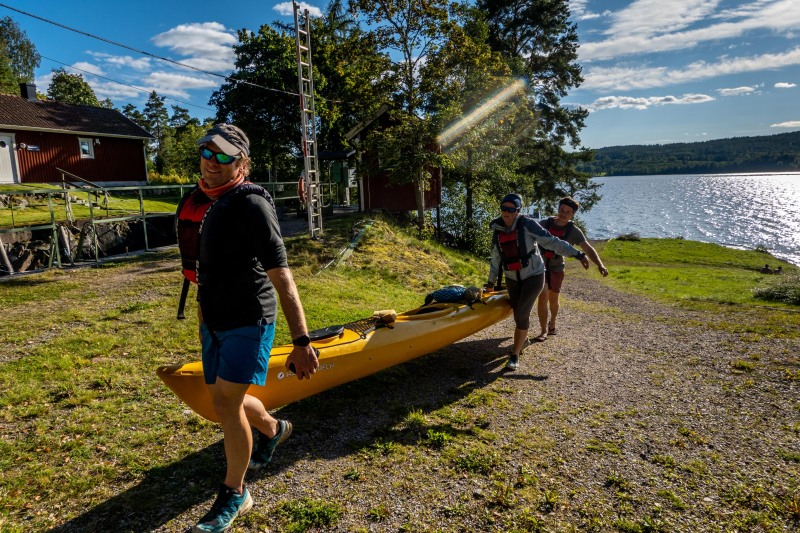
124,84
166,59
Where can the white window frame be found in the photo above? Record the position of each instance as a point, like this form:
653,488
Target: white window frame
89,144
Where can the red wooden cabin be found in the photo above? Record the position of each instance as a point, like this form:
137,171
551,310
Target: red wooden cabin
37,138
376,189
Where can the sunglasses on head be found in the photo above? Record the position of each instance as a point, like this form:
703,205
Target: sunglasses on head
507,209
222,159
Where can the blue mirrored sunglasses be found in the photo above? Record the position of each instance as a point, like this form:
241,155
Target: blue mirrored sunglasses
508,209
222,159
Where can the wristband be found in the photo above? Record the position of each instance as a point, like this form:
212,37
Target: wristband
302,341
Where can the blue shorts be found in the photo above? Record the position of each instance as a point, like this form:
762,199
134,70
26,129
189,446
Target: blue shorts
238,355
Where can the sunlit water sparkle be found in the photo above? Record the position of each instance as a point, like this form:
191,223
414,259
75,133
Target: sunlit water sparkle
743,211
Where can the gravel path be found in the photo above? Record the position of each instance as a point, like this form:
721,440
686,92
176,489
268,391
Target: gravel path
638,416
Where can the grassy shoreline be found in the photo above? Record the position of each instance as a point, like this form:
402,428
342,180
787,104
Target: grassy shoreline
88,432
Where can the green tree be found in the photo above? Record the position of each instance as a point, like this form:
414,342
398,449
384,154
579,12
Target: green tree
259,97
156,119
348,60
180,156
540,43
71,89
412,30
135,115
18,57
181,118
483,112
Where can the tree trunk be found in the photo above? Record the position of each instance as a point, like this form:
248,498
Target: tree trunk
470,202
419,189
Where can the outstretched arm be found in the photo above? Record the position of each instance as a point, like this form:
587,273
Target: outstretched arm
594,256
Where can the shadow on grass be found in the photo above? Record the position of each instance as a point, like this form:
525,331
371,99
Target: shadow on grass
164,493
329,425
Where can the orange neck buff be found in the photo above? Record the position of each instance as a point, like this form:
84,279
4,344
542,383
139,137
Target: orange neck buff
216,192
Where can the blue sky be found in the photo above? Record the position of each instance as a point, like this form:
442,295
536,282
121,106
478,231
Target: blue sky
656,71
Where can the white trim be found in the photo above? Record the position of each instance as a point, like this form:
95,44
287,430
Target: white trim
89,152
366,122
70,132
15,177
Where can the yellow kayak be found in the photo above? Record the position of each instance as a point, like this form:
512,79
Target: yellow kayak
351,351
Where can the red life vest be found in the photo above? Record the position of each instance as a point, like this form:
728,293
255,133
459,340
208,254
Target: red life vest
191,212
562,233
509,250
513,250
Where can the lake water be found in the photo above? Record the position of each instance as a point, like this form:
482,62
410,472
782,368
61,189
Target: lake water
736,210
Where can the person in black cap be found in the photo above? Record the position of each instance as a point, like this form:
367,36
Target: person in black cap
515,252
231,246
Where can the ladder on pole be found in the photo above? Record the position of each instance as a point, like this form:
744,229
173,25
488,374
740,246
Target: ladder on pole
308,120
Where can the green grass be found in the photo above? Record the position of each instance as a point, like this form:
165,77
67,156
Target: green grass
307,514
679,270
78,349
704,276
84,419
37,210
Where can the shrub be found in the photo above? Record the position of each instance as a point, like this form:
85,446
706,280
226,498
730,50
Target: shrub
785,289
629,237
170,179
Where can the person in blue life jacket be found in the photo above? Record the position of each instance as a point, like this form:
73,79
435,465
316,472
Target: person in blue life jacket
515,253
564,228
231,246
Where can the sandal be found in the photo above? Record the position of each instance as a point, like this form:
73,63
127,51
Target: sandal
551,331
540,338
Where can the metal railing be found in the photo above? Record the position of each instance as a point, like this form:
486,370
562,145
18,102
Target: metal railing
107,205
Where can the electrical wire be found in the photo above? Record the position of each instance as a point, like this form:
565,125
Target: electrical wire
138,51
124,84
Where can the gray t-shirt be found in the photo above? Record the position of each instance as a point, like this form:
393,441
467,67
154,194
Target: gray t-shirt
554,262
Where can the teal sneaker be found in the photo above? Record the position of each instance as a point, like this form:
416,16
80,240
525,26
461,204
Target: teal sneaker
512,362
263,450
228,505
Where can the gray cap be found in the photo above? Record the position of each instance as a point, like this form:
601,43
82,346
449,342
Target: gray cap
230,139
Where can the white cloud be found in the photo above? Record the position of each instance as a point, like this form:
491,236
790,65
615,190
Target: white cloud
141,64
789,124
88,68
43,82
629,102
785,85
737,91
654,17
628,78
653,26
285,9
579,11
744,10
172,84
209,43
115,91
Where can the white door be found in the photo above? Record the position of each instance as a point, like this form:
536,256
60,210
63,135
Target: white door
8,168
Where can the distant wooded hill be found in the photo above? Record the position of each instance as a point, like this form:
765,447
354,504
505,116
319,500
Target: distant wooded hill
770,153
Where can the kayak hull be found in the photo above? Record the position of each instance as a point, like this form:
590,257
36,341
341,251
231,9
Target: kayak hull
352,354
